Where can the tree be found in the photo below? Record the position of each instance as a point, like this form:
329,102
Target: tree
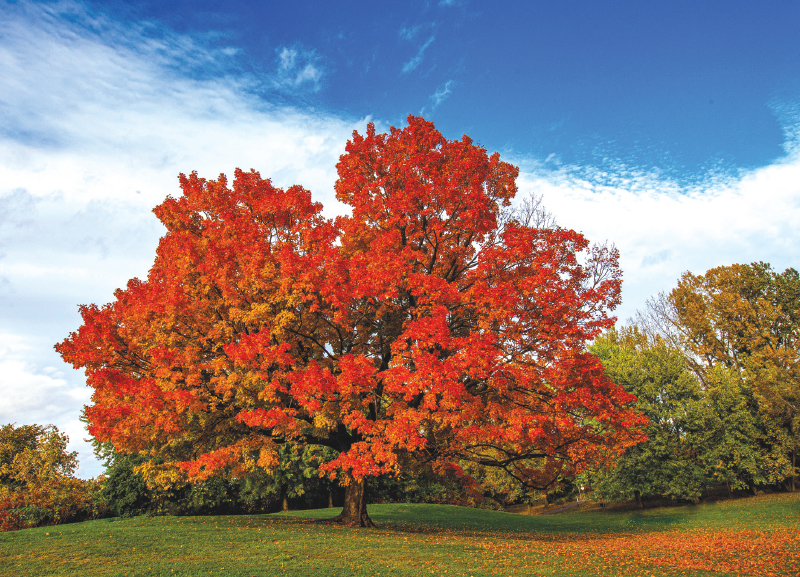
125,490
747,319
698,436
666,463
296,475
32,455
738,445
433,321
37,483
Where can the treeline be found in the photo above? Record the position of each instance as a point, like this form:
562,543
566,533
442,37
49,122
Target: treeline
38,486
296,483
715,366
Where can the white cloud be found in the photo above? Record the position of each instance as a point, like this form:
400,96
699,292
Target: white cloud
30,391
439,96
298,68
417,59
441,93
409,33
663,228
97,118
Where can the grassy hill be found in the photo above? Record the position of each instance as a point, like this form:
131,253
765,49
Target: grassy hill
755,536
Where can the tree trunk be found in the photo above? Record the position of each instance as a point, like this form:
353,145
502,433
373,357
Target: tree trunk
794,469
354,512
639,503
330,498
285,504
730,494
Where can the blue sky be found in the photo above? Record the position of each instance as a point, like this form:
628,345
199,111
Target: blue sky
678,85
668,128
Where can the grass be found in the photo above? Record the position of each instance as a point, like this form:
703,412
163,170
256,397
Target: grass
755,536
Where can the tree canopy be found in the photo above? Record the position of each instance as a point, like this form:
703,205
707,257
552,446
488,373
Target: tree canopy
37,482
746,319
699,435
433,321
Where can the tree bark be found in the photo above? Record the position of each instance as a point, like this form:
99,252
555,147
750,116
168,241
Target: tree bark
794,469
330,498
354,512
639,503
285,504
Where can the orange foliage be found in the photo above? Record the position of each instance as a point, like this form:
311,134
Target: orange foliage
675,552
430,321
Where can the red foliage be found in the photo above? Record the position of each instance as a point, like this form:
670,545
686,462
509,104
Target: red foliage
429,321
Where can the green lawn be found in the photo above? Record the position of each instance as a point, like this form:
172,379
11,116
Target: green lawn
756,536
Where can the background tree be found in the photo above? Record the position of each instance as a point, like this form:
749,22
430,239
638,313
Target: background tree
698,436
668,394
124,489
297,475
747,319
738,445
37,483
34,455
433,321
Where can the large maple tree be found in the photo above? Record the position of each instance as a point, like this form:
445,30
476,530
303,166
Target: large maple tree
434,322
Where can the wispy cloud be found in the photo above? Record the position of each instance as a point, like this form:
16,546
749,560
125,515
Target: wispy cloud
417,59
97,118
435,99
408,33
298,68
441,93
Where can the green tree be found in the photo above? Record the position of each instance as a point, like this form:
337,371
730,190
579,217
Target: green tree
666,393
296,475
124,489
747,319
737,445
699,435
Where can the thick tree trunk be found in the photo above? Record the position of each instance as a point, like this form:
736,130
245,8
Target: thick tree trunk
285,504
330,498
730,494
639,503
354,512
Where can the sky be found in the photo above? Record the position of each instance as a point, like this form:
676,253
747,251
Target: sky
670,129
